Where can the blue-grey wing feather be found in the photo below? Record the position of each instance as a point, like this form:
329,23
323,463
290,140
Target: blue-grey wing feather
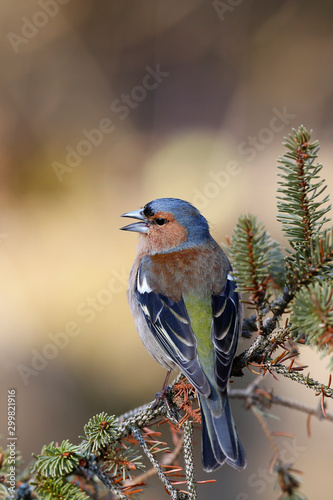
225,331
170,324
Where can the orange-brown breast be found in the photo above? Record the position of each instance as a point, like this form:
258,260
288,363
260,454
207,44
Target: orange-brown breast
199,270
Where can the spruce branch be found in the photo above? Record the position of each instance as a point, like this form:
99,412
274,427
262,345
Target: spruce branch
165,461
95,468
312,316
6,460
122,461
322,265
277,307
298,377
261,348
286,479
301,208
301,211
188,458
304,268
176,495
56,461
107,453
257,262
59,489
263,398
99,431
4,493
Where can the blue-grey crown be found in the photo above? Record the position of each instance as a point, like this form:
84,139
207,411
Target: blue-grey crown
184,213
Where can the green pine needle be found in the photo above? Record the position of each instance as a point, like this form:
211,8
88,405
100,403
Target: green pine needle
124,461
258,260
58,461
305,267
99,431
288,481
301,208
59,489
4,493
7,461
312,315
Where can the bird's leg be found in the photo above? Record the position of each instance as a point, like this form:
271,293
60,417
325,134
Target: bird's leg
165,383
162,395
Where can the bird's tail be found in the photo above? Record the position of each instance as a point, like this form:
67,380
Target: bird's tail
220,441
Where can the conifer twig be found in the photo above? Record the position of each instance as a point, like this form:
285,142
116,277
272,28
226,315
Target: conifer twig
268,398
167,459
188,458
176,495
300,378
95,469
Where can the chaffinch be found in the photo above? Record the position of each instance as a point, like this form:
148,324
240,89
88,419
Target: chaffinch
188,314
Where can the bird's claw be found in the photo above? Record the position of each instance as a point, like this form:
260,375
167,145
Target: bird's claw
164,397
161,397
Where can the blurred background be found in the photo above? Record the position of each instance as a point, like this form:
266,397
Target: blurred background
105,106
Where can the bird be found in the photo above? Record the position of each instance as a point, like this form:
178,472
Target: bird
188,313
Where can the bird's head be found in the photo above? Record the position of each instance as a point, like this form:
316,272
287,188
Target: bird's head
169,223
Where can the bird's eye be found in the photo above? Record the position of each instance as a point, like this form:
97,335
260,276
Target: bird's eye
160,221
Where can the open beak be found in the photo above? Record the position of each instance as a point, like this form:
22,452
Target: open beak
138,227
